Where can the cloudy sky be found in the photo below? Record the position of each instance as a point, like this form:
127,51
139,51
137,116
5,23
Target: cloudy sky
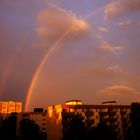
56,50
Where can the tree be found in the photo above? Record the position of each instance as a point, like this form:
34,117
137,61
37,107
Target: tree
74,127
8,127
135,121
105,132
29,130
88,121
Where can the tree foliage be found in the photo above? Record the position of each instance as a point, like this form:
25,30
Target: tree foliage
29,130
75,128
135,121
8,128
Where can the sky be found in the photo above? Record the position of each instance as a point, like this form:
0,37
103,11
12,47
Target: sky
52,51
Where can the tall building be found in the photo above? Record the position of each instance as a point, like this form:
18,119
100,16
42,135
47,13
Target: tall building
10,107
113,115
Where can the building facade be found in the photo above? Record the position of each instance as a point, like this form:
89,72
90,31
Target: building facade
113,115
10,107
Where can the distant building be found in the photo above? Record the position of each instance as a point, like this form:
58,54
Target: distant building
115,116
109,103
73,102
10,107
38,110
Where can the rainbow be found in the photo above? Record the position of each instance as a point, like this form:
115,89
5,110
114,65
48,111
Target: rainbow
41,65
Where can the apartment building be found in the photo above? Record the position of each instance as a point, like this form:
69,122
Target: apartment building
115,116
10,107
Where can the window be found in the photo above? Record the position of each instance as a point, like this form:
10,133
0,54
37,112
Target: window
25,115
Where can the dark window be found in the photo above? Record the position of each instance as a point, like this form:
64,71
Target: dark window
25,115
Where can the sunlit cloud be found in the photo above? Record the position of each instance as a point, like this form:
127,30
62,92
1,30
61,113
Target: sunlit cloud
110,48
118,90
121,93
102,72
103,29
129,23
121,7
55,21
